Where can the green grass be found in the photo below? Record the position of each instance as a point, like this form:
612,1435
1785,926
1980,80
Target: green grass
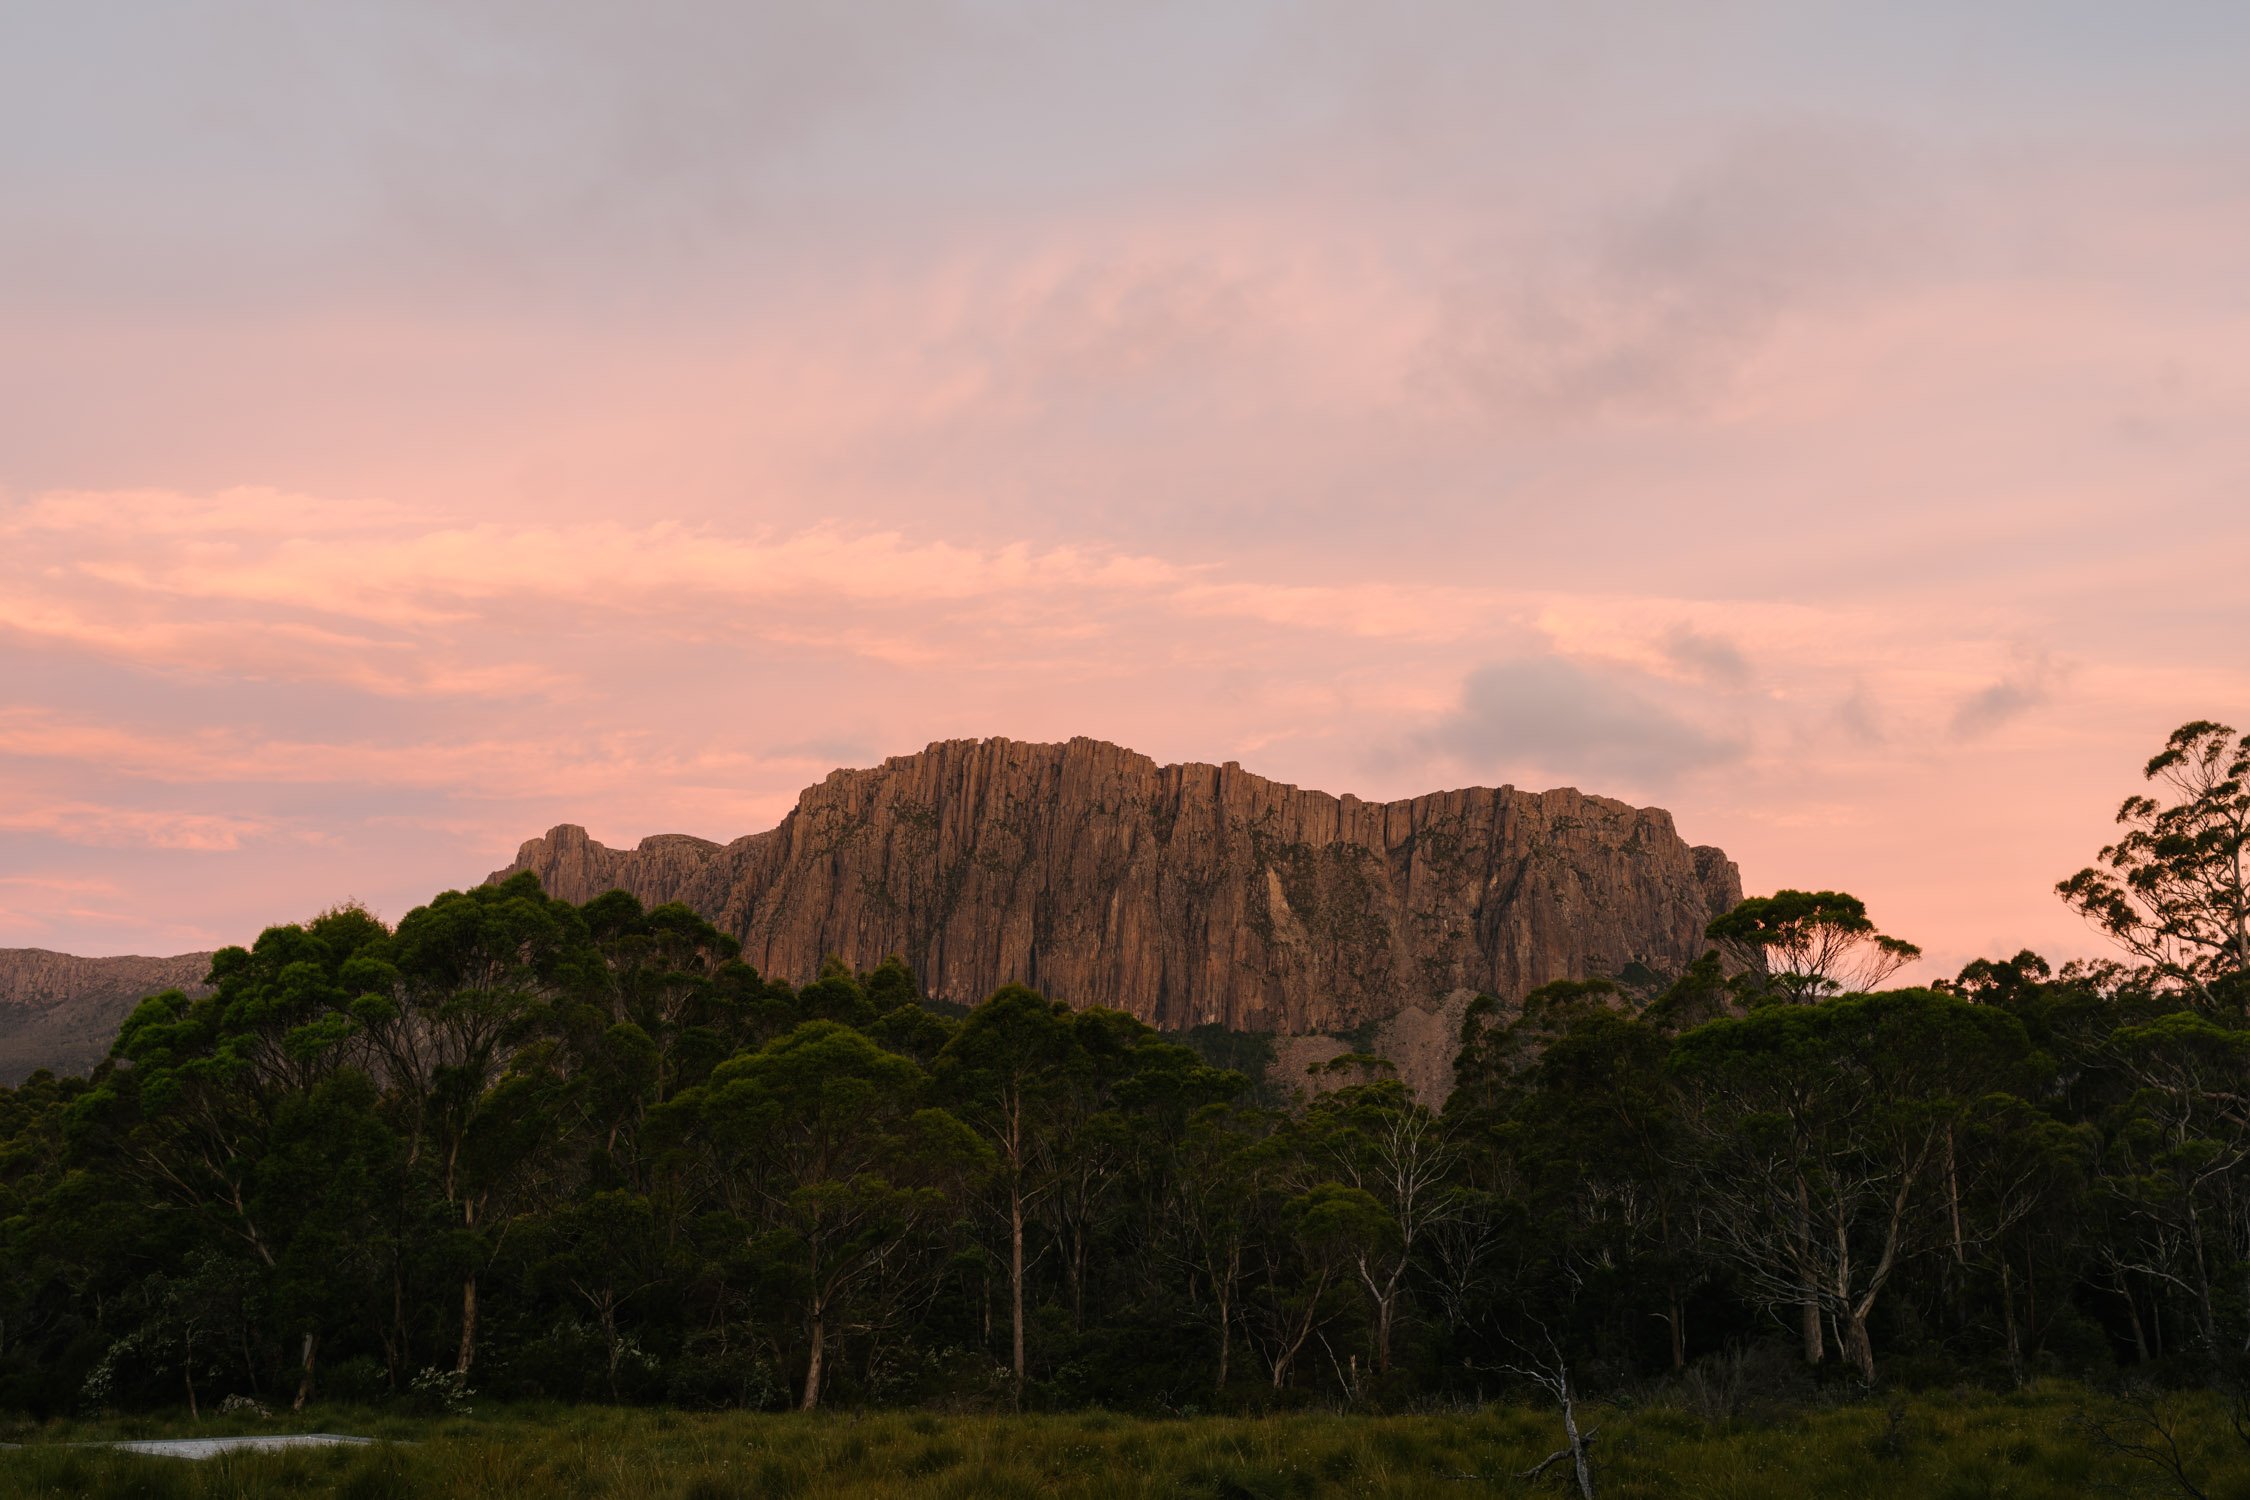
2031,1444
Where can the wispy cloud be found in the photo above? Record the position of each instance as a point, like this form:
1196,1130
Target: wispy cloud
133,827
2029,683
1707,656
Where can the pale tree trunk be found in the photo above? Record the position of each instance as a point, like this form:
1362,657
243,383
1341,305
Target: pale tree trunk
1015,1245
1809,1309
1953,1197
2008,1319
305,1377
1858,1348
1226,1329
1555,1377
1385,1296
1287,1357
1015,1285
1077,1276
1581,1465
812,1365
397,1348
2133,1315
609,1331
468,1324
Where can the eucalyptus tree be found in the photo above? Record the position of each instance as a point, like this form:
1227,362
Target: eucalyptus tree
658,974
1113,1134
1398,1159
841,1172
1010,1072
2174,890
1597,1132
1814,1135
1210,1219
1810,943
602,1251
466,1036
2177,1176
218,1089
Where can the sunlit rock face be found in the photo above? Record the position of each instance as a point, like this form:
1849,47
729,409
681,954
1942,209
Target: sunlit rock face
1184,894
62,1012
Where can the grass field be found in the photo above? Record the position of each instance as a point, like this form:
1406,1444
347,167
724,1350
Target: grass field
2034,1444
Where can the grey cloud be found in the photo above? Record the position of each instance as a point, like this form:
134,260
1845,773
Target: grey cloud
220,147
1654,308
1566,720
1712,658
2027,685
1861,717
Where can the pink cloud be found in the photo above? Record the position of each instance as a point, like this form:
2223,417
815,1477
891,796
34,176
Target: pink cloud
129,827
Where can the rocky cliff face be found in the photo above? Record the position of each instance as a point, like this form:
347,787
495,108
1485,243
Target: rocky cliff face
1183,894
62,1012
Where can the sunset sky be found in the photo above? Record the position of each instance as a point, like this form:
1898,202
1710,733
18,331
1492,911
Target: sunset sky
423,423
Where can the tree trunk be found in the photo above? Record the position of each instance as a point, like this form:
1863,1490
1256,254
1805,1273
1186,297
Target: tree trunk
2202,1280
609,1331
1953,1197
2008,1319
1580,1464
2133,1316
396,1348
305,1377
1678,1321
1077,1278
468,1324
812,1365
1288,1357
187,1371
1015,1283
1858,1348
1226,1340
1809,1312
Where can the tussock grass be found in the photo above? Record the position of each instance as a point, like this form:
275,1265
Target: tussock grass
2032,1444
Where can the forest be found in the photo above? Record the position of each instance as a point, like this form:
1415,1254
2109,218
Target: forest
514,1148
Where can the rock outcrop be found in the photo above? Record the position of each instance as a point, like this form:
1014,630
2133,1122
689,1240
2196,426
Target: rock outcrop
62,1012
1184,894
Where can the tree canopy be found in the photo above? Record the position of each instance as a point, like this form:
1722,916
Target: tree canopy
538,1149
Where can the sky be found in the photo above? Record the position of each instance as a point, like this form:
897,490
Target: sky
424,423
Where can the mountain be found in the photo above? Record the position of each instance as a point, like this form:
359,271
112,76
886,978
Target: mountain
59,1011
1185,894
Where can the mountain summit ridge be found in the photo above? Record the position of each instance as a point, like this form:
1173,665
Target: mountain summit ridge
61,1011
1184,894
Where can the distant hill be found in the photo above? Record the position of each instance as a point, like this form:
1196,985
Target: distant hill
62,1012
1188,894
